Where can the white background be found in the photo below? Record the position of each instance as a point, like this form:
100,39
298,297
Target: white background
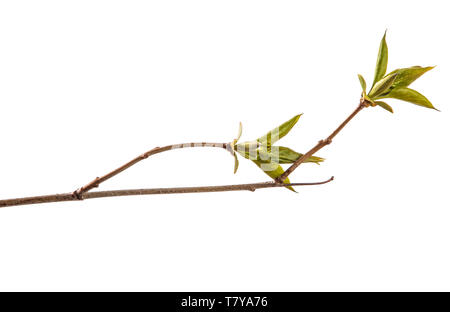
87,85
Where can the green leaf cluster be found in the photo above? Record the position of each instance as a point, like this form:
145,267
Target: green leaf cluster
269,157
395,84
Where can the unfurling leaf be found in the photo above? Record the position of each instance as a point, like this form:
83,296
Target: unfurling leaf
273,170
236,162
288,156
410,95
239,132
238,136
393,85
382,86
406,76
382,60
363,83
384,105
269,157
278,155
248,150
278,132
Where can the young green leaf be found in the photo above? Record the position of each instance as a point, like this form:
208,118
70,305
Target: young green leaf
410,95
278,132
278,155
273,170
384,105
406,76
236,162
288,156
362,82
238,136
239,132
382,86
382,60
248,150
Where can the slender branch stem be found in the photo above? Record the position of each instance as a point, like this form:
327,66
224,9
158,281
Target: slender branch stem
322,143
96,182
83,192
172,190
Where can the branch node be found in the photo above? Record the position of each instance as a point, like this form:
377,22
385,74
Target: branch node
78,194
364,103
147,154
229,148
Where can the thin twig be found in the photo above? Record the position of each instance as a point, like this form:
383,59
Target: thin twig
172,190
83,192
96,182
322,143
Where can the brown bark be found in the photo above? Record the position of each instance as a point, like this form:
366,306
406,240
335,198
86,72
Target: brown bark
96,182
322,143
83,192
154,191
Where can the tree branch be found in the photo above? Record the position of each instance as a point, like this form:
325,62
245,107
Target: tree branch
172,190
83,192
322,143
96,182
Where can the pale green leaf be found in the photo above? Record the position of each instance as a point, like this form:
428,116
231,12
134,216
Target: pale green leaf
248,150
285,155
236,162
382,86
406,76
239,132
278,132
385,106
410,95
278,155
362,82
382,60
